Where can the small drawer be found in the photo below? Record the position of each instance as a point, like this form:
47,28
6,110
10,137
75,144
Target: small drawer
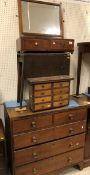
49,149
36,44
60,103
61,91
42,99
60,84
60,97
70,116
31,123
51,164
41,136
42,106
42,86
42,93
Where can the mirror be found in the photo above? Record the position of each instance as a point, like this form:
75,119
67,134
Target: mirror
38,17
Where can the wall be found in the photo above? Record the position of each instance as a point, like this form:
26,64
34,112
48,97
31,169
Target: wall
76,26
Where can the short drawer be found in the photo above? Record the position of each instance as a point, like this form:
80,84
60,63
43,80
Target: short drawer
60,91
49,149
42,86
42,93
36,44
69,116
61,84
49,134
51,164
43,106
31,123
60,103
42,99
60,97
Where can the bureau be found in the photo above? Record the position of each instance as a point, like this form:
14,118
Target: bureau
43,142
2,150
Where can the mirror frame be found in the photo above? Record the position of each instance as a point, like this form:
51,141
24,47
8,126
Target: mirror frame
39,34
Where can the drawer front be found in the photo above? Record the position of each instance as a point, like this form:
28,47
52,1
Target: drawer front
42,99
41,136
42,106
60,84
42,93
61,91
49,149
31,123
51,164
61,103
36,44
70,116
42,86
60,97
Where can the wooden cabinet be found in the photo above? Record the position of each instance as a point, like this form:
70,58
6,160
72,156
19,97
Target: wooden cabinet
2,150
54,139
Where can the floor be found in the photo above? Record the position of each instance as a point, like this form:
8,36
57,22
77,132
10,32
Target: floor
74,171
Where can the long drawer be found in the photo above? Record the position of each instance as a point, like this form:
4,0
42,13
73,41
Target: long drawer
49,134
51,164
69,116
48,149
31,123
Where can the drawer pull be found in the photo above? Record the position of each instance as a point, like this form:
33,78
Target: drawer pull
71,131
34,170
71,116
71,146
34,139
36,43
42,86
33,124
54,42
69,160
35,155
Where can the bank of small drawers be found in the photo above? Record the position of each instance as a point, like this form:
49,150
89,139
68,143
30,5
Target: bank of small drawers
46,142
49,95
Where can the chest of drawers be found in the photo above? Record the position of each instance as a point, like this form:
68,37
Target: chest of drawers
2,150
43,142
48,92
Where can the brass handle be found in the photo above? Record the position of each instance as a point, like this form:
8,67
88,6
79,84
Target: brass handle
54,42
34,170
34,139
69,160
71,116
36,43
35,155
71,131
33,124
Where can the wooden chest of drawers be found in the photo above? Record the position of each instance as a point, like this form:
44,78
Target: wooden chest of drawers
43,142
48,92
2,150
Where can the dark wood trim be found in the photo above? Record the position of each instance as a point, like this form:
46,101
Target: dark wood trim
86,162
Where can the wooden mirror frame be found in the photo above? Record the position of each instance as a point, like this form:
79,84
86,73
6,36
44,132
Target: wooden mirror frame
41,2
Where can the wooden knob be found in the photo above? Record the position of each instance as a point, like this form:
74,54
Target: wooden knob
71,131
34,139
69,159
71,116
35,155
36,43
54,42
71,145
34,170
33,124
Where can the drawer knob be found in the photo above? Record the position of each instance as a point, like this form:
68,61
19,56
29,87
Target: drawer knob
71,116
34,139
54,42
33,124
69,160
36,43
34,170
71,131
35,155
71,146
42,86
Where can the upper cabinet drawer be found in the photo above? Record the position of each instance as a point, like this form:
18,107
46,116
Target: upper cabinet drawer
60,84
42,86
31,123
36,44
62,45
70,116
